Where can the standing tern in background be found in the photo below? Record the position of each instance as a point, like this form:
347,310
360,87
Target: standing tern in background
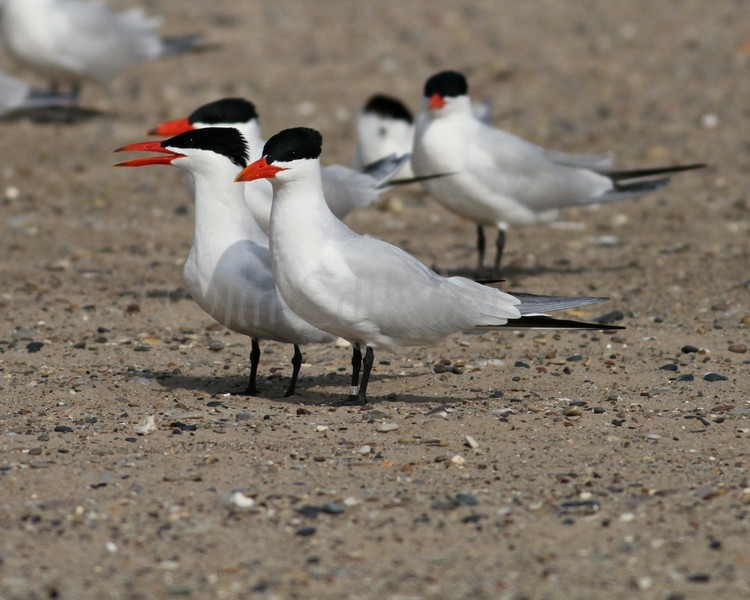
74,41
345,188
385,126
363,289
228,269
500,179
17,95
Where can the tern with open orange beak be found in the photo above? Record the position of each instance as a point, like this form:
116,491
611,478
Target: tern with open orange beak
228,269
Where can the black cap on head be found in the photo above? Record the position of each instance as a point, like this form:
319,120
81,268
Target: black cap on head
293,144
388,107
226,110
226,141
448,84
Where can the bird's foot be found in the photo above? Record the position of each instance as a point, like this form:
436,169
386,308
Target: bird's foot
353,400
250,390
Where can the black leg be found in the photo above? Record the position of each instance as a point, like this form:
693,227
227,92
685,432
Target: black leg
499,246
480,246
251,390
296,364
356,366
369,358
76,91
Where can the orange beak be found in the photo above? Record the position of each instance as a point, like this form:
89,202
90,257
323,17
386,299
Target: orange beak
436,101
260,169
172,128
150,160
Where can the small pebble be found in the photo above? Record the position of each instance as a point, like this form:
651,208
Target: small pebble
710,120
23,334
146,425
33,347
333,508
738,348
669,367
471,442
408,440
386,427
521,364
63,429
610,317
714,377
573,411
458,460
374,415
688,377
306,531
216,345
309,511
466,500
237,499
365,449
688,349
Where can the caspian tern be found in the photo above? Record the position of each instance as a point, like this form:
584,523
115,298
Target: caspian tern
345,188
363,289
74,41
385,126
17,95
228,269
500,179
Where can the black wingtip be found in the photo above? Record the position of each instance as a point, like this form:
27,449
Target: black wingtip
638,173
408,180
544,322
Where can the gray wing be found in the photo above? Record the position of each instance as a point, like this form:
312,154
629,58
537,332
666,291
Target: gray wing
406,300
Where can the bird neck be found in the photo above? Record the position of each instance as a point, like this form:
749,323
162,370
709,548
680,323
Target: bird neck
300,214
221,217
251,133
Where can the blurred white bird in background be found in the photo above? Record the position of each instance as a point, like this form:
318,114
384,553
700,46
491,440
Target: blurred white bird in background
73,41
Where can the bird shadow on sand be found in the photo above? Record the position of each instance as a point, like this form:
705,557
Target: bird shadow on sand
307,393
55,115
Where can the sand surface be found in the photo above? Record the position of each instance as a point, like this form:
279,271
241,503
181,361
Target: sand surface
605,466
